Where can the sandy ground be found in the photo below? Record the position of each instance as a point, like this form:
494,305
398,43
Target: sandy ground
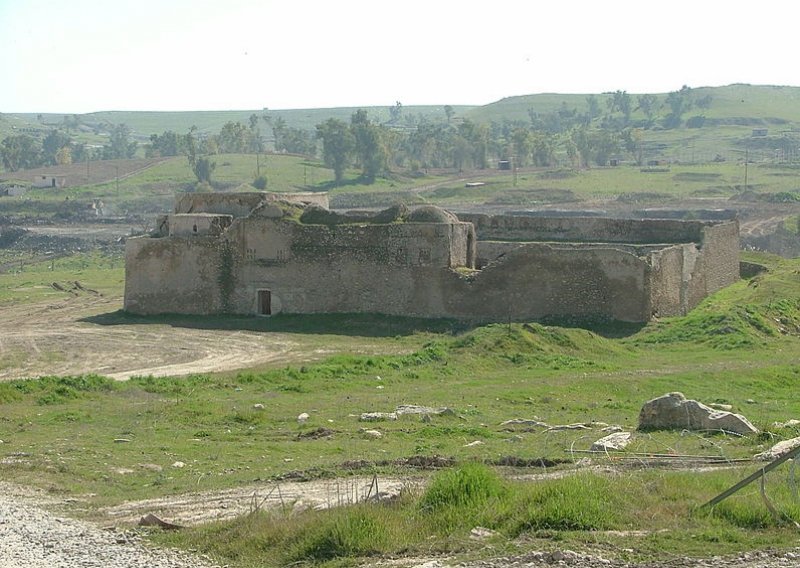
51,339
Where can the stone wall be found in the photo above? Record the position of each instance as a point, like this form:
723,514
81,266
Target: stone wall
263,263
176,275
240,204
585,229
197,224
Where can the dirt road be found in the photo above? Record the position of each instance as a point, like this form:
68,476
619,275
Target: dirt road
52,339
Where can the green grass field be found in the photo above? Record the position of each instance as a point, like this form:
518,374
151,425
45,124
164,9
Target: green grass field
739,348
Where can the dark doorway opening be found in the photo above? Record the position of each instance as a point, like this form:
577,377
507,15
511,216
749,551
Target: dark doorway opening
264,302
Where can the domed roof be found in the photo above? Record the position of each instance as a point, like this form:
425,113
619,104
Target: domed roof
431,214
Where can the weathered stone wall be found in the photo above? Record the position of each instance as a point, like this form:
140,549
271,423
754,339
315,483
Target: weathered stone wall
240,204
198,224
528,283
396,245
177,275
420,269
666,284
585,229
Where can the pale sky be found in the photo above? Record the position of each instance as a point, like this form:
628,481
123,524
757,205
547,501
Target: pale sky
77,56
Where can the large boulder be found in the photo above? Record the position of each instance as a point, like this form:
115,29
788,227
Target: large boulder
675,411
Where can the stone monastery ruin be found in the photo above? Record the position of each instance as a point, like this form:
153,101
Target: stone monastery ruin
262,253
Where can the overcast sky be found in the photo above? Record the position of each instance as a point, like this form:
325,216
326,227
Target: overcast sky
76,56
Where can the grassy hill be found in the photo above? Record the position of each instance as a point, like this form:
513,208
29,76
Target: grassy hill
756,103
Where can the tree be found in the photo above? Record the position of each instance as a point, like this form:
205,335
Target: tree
594,107
234,138
52,144
679,102
120,145
648,105
449,112
203,168
20,152
337,145
167,144
369,146
522,145
64,156
396,112
621,101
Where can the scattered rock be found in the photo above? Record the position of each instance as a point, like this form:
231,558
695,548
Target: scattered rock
612,442
778,450
178,465
258,406
481,533
717,406
150,520
415,409
612,429
674,410
426,418
121,440
372,434
303,418
560,427
473,444
150,467
525,422
377,416
788,424
316,434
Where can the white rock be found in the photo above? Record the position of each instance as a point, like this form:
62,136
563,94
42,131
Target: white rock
303,418
258,406
481,533
778,450
473,444
178,464
377,416
373,434
615,441
674,410
788,424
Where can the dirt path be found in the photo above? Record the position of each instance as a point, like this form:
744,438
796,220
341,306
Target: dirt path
196,508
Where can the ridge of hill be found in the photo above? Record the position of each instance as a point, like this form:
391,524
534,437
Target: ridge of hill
737,104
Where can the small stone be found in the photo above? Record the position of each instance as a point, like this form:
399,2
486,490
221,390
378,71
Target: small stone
473,444
303,418
151,467
178,464
258,406
121,440
377,416
481,533
373,434
379,387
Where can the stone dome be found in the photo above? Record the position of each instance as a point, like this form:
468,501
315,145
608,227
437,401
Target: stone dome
431,214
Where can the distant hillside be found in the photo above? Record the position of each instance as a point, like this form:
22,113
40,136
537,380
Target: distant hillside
145,123
733,104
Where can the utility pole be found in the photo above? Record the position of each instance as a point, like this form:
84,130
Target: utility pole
117,167
746,159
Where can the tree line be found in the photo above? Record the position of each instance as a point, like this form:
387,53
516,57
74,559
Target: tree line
22,151
563,137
